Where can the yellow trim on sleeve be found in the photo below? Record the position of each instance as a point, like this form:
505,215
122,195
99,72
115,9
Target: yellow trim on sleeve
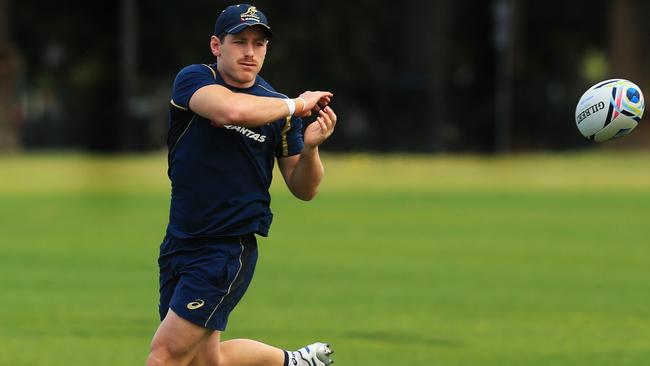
285,143
214,73
177,106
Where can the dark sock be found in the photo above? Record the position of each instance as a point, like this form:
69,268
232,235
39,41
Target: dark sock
286,358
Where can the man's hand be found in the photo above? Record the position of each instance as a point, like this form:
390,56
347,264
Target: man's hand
319,130
314,102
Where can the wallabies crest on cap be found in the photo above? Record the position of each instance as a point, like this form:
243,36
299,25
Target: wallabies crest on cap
250,14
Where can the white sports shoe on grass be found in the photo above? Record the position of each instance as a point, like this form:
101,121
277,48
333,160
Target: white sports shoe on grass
315,354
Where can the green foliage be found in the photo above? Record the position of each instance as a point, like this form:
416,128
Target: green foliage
401,260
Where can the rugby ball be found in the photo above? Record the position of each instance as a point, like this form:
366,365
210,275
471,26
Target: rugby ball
609,110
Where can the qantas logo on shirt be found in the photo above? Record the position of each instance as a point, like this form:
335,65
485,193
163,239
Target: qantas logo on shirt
248,133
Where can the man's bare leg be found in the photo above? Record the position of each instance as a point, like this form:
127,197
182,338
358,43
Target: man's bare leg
237,352
176,341
248,352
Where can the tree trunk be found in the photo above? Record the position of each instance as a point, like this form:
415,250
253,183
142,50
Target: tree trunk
9,108
630,55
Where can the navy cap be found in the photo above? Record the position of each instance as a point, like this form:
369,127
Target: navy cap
236,18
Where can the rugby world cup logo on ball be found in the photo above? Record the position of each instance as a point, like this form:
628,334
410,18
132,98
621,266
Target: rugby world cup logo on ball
609,110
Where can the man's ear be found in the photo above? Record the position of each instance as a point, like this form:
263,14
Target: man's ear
215,46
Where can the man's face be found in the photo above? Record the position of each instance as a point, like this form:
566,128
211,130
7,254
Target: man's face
241,56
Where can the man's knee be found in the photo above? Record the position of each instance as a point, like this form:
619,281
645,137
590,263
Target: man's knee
166,354
170,353
157,358
176,341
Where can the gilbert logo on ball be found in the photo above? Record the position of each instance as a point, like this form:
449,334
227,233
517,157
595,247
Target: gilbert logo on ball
609,110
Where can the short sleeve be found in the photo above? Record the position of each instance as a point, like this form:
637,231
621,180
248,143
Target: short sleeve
188,81
291,139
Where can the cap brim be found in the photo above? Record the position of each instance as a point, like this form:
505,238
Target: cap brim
241,26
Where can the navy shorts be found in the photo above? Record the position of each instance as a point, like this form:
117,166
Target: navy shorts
202,280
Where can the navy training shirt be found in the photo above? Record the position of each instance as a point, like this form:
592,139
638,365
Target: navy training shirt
220,176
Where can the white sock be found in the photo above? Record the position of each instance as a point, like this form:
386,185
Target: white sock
296,358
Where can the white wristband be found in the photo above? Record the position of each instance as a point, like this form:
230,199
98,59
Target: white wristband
292,106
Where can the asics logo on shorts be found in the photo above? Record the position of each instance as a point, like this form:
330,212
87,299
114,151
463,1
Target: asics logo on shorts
195,304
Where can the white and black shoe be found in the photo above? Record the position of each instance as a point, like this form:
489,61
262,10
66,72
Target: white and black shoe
315,354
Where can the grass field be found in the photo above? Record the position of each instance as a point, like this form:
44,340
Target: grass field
532,260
